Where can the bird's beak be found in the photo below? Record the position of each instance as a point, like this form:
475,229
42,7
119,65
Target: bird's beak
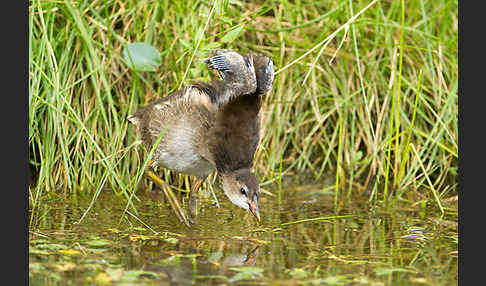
254,208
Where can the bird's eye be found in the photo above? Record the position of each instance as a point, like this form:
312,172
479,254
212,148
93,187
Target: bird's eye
242,191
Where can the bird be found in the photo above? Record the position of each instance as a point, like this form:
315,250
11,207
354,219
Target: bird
212,126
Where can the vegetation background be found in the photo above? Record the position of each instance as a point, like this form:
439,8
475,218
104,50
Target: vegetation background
366,91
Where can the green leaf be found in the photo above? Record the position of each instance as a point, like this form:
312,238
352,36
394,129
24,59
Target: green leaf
33,250
142,57
36,266
211,46
171,240
186,44
335,280
385,271
199,33
226,20
133,275
232,35
98,242
245,273
51,246
298,273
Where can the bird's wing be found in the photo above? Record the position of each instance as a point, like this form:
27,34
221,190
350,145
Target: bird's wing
218,62
237,73
265,73
151,119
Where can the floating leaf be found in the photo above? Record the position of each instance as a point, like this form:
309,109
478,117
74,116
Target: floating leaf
69,252
36,266
98,242
335,280
136,237
100,279
66,266
246,272
142,57
298,273
385,271
171,240
114,273
133,275
33,250
420,280
51,246
38,241
232,35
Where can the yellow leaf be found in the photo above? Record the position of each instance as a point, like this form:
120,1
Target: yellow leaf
102,278
69,252
65,267
136,237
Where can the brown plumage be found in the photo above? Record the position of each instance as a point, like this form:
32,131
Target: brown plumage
213,125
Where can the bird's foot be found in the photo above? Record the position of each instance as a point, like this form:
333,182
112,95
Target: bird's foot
174,203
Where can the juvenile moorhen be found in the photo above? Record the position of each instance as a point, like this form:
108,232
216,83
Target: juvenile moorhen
212,126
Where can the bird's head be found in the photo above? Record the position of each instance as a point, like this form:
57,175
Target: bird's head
241,187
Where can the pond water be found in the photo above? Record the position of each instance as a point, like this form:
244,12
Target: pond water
301,240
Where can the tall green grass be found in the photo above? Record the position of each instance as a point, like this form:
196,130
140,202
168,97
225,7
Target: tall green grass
375,102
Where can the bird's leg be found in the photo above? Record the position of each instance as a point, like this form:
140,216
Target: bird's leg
180,213
156,190
193,196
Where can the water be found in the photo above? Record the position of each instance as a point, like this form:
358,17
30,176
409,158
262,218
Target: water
357,245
